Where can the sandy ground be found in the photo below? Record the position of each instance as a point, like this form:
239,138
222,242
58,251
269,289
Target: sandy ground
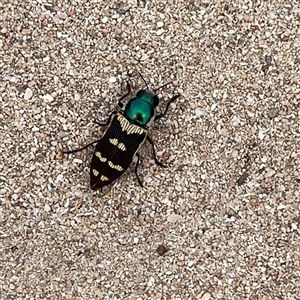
227,206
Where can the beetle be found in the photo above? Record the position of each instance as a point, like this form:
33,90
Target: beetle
127,130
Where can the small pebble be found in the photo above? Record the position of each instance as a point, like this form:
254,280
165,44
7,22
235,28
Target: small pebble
200,95
68,65
48,98
213,107
112,79
28,94
26,31
273,112
261,135
77,97
268,60
294,226
19,127
162,249
235,154
173,218
18,190
281,206
47,208
77,161
270,173
205,296
59,177
144,57
62,15
242,179
63,134
200,113
160,32
104,20
221,78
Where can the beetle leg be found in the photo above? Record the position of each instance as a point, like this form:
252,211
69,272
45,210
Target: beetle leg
135,170
167,107
155,158
120,104
80,149
108,120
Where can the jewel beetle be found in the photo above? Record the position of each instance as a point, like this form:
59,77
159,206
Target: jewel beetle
127,130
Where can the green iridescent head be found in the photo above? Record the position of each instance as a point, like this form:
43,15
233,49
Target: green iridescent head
141,109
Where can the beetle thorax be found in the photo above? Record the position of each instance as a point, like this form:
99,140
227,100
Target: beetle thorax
140,110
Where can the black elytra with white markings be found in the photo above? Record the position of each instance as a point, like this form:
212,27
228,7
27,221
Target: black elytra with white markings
127,130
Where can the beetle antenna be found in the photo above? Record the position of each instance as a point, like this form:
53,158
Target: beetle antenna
143,80
163,86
